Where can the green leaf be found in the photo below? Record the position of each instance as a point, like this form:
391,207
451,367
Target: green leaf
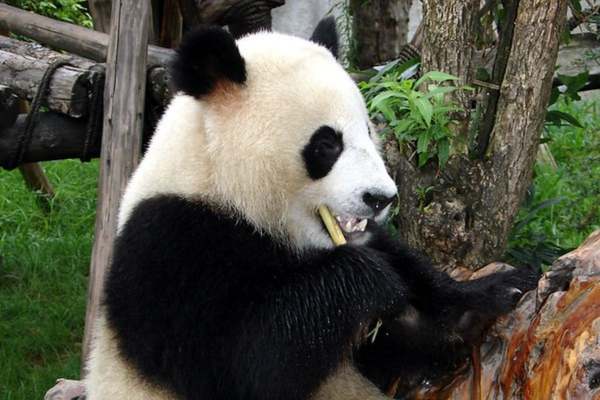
397,68
440,91
403,125
555,117
387,112
576,4
574,84
382,97
436,76
423,143
423,157
443,152
554,96
425,108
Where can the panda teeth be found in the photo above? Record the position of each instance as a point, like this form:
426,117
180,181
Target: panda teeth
348,226
361,226
351,224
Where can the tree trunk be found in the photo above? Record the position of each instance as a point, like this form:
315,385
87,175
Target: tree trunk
462,215
379,30
449,33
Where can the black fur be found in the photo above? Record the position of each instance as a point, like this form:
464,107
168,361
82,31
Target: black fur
213,310
204,305
326,35
205,56
451,317
322,151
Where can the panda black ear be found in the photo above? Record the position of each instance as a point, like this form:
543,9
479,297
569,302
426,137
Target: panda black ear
326,35
205,57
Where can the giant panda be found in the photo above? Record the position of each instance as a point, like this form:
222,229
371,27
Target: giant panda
224,282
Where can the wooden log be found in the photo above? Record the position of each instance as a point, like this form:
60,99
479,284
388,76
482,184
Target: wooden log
55,137
68,92
36,180
241,16
122,137
157,76
72,38
171,24
100,11
39,52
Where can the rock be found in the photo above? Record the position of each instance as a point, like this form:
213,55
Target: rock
66,389
548,348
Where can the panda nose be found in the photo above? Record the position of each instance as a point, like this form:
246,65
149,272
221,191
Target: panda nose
377,201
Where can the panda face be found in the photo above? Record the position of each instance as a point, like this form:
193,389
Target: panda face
268,128
348,175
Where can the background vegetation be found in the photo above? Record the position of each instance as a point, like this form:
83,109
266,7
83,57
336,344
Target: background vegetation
73,11
44,261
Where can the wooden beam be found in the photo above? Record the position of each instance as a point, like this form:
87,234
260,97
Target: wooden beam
100,11
39,52
122,136
37,181
64,36
68,91
159,83
54,137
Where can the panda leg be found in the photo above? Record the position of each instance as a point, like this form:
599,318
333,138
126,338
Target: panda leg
346,383
110,376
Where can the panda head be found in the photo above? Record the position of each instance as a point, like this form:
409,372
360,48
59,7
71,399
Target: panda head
269,128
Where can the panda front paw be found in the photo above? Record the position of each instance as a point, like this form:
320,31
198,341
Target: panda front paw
499,293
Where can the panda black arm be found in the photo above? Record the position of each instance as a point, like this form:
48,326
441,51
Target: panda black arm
208,307
311,320
491,296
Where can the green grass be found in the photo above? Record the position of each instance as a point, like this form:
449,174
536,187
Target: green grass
564,205
44,259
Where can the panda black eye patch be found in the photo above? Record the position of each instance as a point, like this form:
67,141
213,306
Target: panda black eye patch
322,151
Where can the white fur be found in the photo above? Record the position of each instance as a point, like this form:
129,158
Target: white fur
240,149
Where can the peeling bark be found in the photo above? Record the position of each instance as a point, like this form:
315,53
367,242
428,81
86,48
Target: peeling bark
547,349
467,214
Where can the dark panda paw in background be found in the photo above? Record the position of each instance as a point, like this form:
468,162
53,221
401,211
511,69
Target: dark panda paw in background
499,293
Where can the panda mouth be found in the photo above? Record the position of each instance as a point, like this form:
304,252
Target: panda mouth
351,224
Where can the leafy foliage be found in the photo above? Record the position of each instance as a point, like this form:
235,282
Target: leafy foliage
563,206
416,111
73,11
571,85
